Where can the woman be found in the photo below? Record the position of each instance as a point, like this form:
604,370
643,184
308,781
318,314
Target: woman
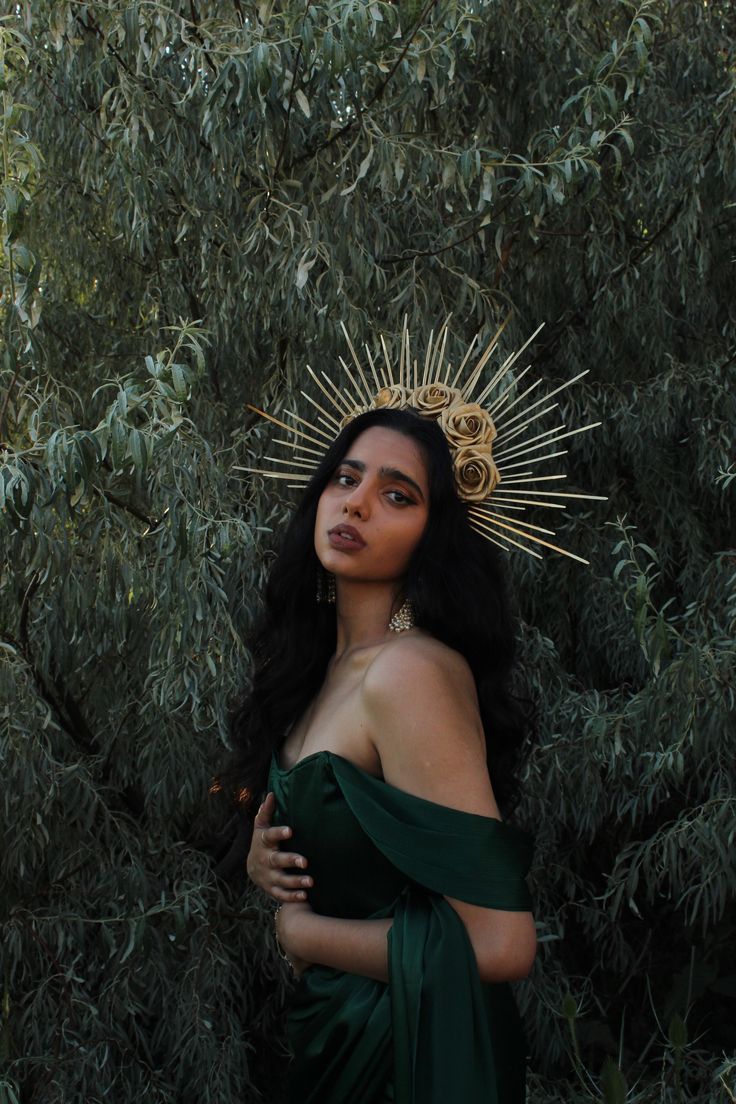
402,904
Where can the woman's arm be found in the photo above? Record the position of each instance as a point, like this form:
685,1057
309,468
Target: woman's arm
421,704
355,946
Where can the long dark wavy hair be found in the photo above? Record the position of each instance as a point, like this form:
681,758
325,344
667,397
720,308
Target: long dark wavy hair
457,591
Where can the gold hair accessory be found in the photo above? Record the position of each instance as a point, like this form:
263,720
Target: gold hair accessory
493,448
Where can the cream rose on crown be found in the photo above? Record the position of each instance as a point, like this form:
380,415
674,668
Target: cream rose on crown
391,398
433,398
467,424
476,474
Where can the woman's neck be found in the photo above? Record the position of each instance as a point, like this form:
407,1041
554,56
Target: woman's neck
363,613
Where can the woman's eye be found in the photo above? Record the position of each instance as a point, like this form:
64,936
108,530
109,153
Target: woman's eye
344,479
400,498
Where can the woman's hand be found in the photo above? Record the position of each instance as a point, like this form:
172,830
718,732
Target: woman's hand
286,924
266,863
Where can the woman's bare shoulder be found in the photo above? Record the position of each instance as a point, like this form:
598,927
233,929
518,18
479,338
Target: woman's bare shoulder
421,706
419,659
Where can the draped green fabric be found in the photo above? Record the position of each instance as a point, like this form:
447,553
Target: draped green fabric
435,1033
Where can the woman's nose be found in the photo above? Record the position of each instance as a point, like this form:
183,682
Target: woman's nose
356,504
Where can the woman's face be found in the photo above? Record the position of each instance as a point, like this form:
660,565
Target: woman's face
372,513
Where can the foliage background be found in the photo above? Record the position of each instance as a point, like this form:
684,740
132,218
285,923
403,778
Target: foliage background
194,197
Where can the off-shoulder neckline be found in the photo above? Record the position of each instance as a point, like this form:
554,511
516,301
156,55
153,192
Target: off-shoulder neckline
325,753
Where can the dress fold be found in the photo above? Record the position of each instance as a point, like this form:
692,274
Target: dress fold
435,1033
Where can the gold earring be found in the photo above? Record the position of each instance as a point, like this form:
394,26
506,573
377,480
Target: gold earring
403,619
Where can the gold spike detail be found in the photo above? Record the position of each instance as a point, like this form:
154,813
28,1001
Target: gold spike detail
495,380
348,395
436,367
292,460
554,494
491,540
302,448
273,474
546,397
469,385
485,530
534,478
356,361
288,428
502,505
342,403
331,419
463,362
520,450
385,375
373,368
531,440
501,399
534,460
325,392
538,540
428,359
329,437
488,513
503,436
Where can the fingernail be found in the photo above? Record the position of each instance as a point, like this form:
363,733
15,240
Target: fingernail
286,832
300,862
306,881
301,896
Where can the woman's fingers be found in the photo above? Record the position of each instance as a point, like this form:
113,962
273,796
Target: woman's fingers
287,896
265,812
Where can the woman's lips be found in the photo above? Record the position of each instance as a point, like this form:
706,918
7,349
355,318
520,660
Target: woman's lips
345,538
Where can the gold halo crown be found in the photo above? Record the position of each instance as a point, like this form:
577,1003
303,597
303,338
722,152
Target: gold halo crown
487,443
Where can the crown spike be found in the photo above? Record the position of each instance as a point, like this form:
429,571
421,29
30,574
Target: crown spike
325,392
534,460
505,503
283,425
487,536
362,401
545,398
291,460
539,540
521,449
488,513
296,445
310,425
342,403
485,530
387,376
273,474
505,437
373,369
534,478
428,359
554,494
357,363
331,419
509,450
502,399
469,385
464,361
436,366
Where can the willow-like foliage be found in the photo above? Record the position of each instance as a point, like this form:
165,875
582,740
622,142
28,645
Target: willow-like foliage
194,197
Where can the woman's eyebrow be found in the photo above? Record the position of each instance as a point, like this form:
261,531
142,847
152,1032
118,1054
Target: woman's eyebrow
387,473
396,473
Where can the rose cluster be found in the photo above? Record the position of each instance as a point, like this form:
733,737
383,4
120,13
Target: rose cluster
468,428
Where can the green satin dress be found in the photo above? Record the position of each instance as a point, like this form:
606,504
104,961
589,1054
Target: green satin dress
435,1034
